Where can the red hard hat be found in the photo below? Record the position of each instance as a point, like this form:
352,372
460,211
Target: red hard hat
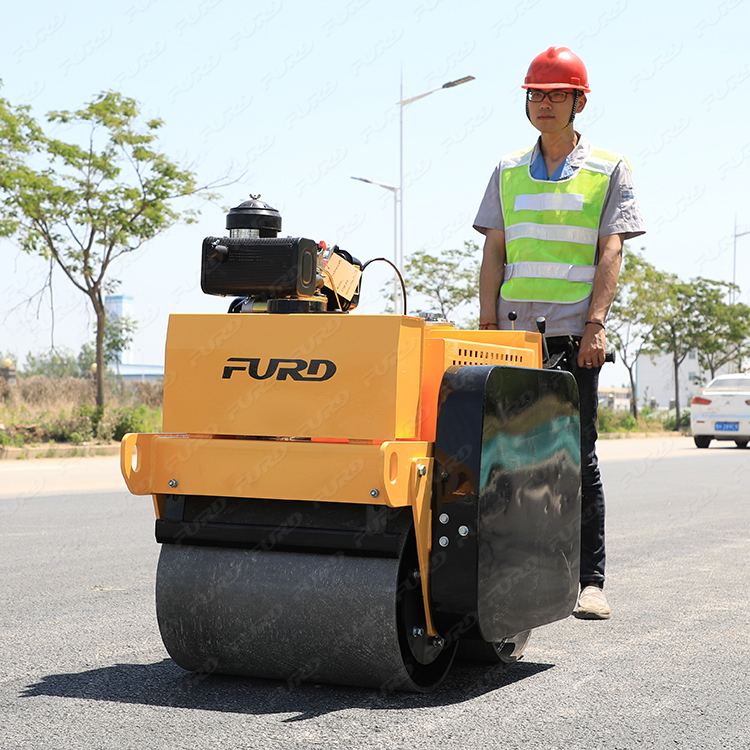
557,68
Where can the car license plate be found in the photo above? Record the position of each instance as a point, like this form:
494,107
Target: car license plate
727,426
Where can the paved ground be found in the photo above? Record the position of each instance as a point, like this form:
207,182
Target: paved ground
83,665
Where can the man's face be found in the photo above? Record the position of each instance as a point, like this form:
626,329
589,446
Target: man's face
549,116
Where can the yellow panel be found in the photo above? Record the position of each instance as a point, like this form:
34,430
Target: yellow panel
318,375
445,347
275,469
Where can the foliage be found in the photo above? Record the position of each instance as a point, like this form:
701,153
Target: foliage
683,318
631,319
55,363
84,206
726,338
655,312
449,281
118,335
616,421
673,422
39,409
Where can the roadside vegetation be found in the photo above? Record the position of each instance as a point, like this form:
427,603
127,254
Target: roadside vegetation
647,421
40,409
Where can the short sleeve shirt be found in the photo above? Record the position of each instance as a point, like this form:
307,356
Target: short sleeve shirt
620,215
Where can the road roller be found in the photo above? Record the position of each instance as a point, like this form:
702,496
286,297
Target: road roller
348,498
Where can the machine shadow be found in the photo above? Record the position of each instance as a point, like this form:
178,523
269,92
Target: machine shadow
167,685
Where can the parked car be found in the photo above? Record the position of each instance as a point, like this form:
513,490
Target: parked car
721,411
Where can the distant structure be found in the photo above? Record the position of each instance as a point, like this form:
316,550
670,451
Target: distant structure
120,306
655,379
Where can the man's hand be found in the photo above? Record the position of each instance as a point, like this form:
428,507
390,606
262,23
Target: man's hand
593,347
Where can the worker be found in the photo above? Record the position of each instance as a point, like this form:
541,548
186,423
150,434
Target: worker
555,218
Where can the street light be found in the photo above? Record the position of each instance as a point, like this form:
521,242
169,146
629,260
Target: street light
734,260
396,199
402,103
398,190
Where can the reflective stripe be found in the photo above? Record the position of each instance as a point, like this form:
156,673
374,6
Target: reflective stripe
553,233
549,202
564,271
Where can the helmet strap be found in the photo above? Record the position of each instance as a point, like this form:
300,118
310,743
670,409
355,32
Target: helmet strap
575,106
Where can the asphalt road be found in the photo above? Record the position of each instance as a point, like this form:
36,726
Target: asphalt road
83,665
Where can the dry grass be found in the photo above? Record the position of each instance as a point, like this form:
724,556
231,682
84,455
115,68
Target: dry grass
39,408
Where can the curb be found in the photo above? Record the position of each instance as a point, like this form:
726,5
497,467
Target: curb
59,450
639,435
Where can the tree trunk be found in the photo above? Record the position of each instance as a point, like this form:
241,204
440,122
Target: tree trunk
676,389
633,396
100,320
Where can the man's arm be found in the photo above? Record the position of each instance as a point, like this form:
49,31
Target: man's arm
491,277
594,341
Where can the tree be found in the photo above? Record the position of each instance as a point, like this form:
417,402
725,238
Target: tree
55,363
686,316
85,206
633,315
118,335
727,337
450,280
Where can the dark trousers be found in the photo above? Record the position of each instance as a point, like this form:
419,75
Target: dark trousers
592,493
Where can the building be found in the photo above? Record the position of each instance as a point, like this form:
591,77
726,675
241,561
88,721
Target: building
122,306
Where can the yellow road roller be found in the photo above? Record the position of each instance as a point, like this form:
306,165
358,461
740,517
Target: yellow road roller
345,498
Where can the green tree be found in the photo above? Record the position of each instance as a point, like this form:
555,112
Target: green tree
55,363
683,315
634,313
449,281
118,335
85,206
726,339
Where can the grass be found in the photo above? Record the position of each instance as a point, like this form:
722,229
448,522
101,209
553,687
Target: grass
40,409
648,421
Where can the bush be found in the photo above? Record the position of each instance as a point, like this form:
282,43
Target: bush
670,423
39,409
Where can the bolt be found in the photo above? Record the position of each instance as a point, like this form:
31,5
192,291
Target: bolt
173,483
444,518
421,470
444,476
417,575
375,492
444,541
438,642
463,530
417,632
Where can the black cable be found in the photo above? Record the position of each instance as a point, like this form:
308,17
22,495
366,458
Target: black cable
400,277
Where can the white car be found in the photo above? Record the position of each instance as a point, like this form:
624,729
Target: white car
721,411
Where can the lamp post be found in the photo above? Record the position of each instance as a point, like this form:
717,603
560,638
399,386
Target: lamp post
398,190
402,103
734,259
396,200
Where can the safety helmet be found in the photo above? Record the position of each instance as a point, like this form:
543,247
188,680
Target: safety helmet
557,68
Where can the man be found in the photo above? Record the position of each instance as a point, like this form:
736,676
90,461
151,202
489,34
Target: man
555,218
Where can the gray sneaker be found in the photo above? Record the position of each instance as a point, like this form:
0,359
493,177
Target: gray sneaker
592,605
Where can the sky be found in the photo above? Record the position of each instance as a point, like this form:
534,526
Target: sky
292,99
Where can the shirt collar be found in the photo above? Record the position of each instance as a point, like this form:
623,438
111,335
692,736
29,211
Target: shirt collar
572,163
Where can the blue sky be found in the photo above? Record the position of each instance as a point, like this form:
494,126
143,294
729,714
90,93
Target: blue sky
297,97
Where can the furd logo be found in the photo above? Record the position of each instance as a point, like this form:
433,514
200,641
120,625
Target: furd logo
316,370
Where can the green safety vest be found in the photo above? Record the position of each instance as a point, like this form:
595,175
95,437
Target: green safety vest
552,228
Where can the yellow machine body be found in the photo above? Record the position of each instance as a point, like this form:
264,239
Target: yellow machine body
322,408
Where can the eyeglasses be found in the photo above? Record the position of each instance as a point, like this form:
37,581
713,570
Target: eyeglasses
554,96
